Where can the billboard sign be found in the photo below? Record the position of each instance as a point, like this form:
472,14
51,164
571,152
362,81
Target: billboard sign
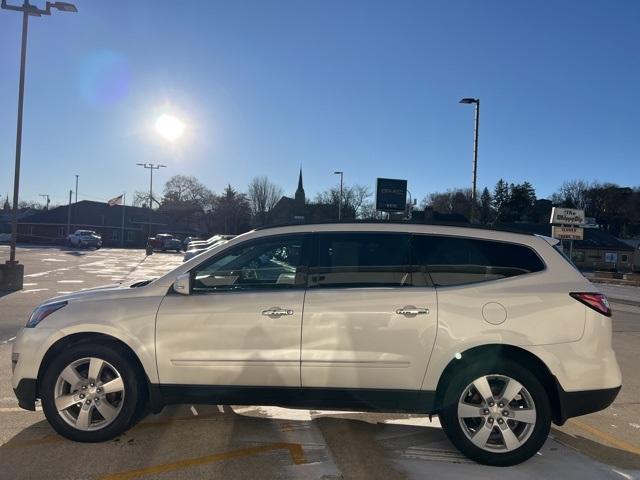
567,233
391,195
567,216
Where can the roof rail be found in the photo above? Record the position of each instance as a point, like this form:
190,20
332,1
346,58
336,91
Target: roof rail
499,228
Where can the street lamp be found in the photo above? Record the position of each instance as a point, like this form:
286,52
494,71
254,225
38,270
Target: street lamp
340,199
13,276
476,102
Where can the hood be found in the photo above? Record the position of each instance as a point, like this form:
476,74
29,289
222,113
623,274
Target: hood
117,289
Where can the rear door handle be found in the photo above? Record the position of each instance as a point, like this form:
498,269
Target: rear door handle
410,310
277,312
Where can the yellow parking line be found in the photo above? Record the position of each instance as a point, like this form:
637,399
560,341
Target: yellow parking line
611,440
55,438
295,450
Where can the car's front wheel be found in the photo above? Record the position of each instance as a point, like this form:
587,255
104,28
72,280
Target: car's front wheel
90,392
496,415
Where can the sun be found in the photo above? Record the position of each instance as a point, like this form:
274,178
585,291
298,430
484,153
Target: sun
171,128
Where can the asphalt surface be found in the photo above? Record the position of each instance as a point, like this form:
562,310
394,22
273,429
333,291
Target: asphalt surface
198,441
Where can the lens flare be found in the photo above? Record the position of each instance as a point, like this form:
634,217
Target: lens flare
104,78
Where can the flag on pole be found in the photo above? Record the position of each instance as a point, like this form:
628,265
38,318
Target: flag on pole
115,200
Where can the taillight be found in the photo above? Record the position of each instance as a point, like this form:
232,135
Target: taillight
597,301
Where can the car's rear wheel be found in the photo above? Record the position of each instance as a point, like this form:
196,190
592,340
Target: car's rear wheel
90,393
496,415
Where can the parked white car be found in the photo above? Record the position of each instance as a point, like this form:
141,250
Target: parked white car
84,239
203,244
192,252
495,332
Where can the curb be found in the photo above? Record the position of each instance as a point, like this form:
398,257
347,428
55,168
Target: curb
623,301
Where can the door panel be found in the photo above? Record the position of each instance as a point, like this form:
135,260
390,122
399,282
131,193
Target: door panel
241,322
355,333
223,338
353,338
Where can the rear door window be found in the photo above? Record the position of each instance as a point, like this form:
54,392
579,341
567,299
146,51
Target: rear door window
354,260
459,260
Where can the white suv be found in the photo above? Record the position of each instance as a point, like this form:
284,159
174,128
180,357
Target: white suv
495,332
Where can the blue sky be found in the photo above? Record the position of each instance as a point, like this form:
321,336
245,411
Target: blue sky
367,87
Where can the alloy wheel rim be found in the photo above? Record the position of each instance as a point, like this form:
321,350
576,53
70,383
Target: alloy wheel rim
89,394
497,413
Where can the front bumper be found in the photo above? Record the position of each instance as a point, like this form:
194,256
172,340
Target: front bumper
574,404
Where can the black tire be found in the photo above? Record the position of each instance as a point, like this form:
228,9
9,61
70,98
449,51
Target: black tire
451,423
134,391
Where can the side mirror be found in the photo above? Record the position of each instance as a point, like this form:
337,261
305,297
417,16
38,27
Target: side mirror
182,284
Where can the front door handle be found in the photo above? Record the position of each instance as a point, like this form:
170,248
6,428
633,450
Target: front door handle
277,312
410,310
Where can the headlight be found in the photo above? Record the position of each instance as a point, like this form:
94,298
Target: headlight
43,312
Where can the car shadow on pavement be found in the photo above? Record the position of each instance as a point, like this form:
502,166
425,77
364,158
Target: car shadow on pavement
602,453
202,441
209,444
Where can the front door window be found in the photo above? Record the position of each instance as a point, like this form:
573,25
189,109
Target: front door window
264,264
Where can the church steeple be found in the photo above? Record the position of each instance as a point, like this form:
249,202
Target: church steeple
300,197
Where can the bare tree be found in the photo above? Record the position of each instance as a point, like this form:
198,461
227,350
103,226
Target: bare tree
354,200
573,193
140,199
181,188
263,195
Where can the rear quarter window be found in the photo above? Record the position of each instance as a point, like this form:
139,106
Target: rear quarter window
459,260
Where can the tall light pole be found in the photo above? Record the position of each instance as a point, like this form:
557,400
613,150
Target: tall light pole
476,102
27,10
340,199
77,188
151,167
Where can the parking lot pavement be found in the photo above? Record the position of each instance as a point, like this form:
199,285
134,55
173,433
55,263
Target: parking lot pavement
621,293
210,441
52,271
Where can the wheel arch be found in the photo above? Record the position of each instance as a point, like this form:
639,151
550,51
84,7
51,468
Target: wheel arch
90,337
491,353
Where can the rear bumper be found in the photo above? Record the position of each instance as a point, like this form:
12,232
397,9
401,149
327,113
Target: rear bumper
26,393
574,404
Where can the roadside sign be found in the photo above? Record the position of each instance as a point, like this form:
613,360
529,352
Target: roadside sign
567,233
567,216
391,195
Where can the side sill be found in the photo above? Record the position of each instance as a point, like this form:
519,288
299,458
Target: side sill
367,399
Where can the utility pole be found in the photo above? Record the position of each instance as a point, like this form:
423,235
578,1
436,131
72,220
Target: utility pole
77,188
13,272
46,195
340,199
69,214
476,128
124,203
